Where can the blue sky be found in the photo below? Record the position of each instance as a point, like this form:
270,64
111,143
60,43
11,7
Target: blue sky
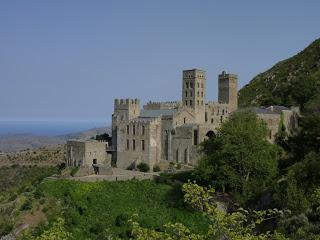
68,60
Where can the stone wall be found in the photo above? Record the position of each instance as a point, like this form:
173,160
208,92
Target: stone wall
81,153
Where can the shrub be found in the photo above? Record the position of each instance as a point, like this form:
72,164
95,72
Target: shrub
121,220
74,171
27,205
143,167
178,166
156,168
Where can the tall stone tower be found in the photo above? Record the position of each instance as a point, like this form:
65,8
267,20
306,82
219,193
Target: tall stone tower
194,91
228,90
124,110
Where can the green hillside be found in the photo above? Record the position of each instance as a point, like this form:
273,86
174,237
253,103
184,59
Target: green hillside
290,82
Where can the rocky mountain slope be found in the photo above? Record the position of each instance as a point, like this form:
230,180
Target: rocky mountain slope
290,82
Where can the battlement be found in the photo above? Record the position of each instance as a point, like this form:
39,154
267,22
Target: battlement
224,75
162,105
194,73
126,103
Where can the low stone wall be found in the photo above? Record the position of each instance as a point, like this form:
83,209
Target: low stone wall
123,175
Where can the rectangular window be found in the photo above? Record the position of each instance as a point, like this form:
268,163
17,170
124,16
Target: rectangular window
128,144
206,116
186,103
186,93
133,144
270,134
190,102
195,137
184,120
143,130
134,130
142,145
128,128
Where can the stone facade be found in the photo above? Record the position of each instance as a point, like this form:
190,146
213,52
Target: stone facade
275,116
171,131
81,153
161,132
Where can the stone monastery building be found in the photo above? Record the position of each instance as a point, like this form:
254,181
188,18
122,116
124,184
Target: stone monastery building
163,132
171,131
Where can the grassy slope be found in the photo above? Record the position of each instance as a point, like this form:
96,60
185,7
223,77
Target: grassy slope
92,207
282,83
17,187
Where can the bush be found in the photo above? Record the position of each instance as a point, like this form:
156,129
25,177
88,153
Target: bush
121,220
143,167
27,205
74,171
156,168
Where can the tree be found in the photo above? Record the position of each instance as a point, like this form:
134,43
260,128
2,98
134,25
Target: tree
239,159
308,137
239,225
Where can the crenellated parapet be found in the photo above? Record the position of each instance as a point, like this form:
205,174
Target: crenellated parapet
162,105
126,103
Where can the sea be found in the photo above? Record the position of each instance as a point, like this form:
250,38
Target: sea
47,128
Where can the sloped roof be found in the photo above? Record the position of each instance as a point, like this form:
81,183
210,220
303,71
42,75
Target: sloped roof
261,110
257,110
277,108
157,113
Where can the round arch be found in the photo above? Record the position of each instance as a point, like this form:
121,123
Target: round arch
210,134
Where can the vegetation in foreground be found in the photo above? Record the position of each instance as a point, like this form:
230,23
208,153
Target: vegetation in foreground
19,192
90,210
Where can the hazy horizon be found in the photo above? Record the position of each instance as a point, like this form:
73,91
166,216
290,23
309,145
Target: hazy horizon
68,60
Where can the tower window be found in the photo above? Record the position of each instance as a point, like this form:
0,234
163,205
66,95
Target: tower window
187,85
270,134
201,85
128,144
184,120
202,103
195,137
191,85
186,103
186,93
201,94
190,94
198,94
211,120
221,119
198,102
128,129
133,144
190,102
134,130
206,116
142,145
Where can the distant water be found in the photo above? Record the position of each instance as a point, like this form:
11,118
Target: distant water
47,128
